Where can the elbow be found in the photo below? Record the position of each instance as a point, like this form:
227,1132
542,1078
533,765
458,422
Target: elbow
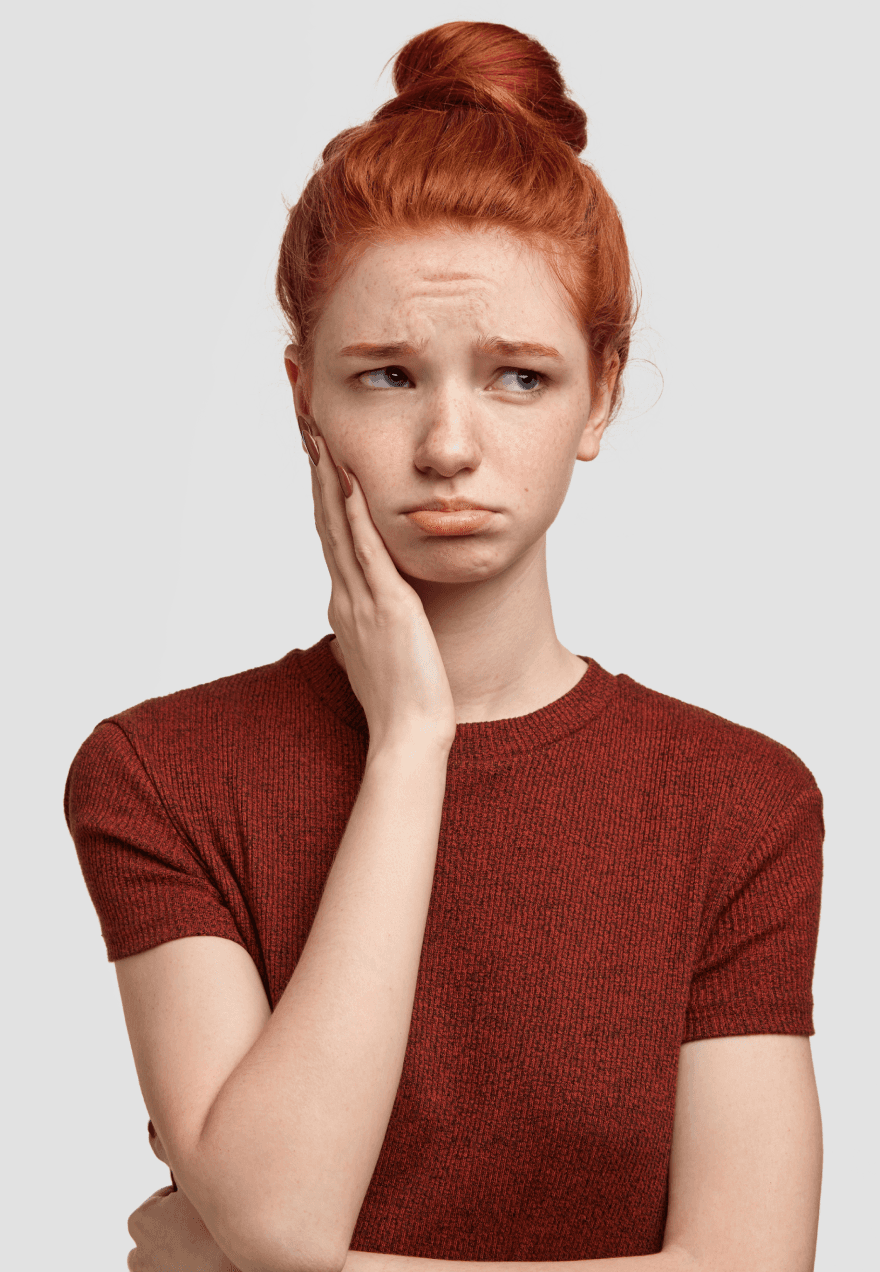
268,1251
249,1233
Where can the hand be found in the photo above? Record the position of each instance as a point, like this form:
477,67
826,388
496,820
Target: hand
387,644
169,1234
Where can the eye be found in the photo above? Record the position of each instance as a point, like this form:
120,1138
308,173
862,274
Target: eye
521,381
394,378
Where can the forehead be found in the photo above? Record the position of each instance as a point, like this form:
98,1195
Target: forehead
472,279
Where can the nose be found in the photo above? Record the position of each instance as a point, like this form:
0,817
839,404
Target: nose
449,440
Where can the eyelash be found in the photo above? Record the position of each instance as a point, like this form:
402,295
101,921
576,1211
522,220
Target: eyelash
537,375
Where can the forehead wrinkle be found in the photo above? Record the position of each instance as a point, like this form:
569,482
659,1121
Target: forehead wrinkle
452,278
420,291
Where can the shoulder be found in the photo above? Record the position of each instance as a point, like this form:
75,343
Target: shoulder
685,742
214,727
243,701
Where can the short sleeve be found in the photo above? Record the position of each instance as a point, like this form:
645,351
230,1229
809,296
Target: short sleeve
144,877
754,970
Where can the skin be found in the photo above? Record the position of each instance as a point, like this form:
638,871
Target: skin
451,419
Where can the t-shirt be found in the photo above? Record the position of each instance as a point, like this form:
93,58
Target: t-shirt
617,873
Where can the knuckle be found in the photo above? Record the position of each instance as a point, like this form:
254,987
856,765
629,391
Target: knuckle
364,553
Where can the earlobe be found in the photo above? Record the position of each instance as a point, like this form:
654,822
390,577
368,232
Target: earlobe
589,447
592,435
599,412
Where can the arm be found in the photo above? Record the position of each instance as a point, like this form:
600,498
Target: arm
745,1169
292,1138
167,1228
286,1152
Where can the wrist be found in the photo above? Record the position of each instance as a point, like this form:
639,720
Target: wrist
410,748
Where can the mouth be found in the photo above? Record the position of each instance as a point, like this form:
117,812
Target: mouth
466,519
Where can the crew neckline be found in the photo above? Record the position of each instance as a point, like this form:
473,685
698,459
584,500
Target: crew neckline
478,739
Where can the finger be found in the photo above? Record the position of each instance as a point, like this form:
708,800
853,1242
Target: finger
379,571
339,585
337,534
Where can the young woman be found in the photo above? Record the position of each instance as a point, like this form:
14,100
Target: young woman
436,941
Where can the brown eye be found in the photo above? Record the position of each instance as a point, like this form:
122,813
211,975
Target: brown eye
394,378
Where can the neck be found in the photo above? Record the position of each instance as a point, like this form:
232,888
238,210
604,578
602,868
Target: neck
498,642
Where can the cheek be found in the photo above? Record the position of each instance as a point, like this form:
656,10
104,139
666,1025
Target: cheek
538,466
343,437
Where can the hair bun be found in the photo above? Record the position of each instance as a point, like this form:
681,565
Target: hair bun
489,65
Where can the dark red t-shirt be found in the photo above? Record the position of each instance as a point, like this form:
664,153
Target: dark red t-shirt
617,873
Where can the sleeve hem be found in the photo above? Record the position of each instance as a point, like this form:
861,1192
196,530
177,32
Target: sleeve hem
734,1020
137,940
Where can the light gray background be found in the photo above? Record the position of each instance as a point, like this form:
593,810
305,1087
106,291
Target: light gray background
159,528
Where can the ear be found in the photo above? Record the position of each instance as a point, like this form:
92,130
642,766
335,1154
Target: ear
600,410
297,378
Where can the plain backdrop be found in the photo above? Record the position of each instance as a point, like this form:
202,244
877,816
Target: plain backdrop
158,522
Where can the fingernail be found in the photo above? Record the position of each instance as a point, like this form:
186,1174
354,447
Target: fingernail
311,446
345,481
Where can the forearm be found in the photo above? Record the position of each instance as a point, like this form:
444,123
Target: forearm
666,1261
292,1139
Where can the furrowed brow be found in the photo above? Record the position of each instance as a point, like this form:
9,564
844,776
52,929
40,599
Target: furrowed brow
492,345
381,352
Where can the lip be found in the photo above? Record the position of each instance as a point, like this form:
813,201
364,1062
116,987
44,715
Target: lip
444,521
457,504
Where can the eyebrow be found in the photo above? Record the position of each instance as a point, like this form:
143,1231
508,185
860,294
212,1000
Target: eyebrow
485,345
516,348
376,352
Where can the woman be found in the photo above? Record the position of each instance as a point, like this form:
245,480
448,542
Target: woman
436,940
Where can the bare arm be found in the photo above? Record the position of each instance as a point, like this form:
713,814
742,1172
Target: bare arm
290,1141
292,1138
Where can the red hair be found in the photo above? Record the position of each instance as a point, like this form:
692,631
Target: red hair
482,133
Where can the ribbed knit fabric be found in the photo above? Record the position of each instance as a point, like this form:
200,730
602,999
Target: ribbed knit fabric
617,873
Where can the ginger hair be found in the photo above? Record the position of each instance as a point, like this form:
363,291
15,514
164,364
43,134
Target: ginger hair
482,134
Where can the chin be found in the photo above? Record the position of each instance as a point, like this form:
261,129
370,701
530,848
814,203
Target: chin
458,560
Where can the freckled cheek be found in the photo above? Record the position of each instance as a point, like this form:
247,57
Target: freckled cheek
381,470
376,456
538,471
349,441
